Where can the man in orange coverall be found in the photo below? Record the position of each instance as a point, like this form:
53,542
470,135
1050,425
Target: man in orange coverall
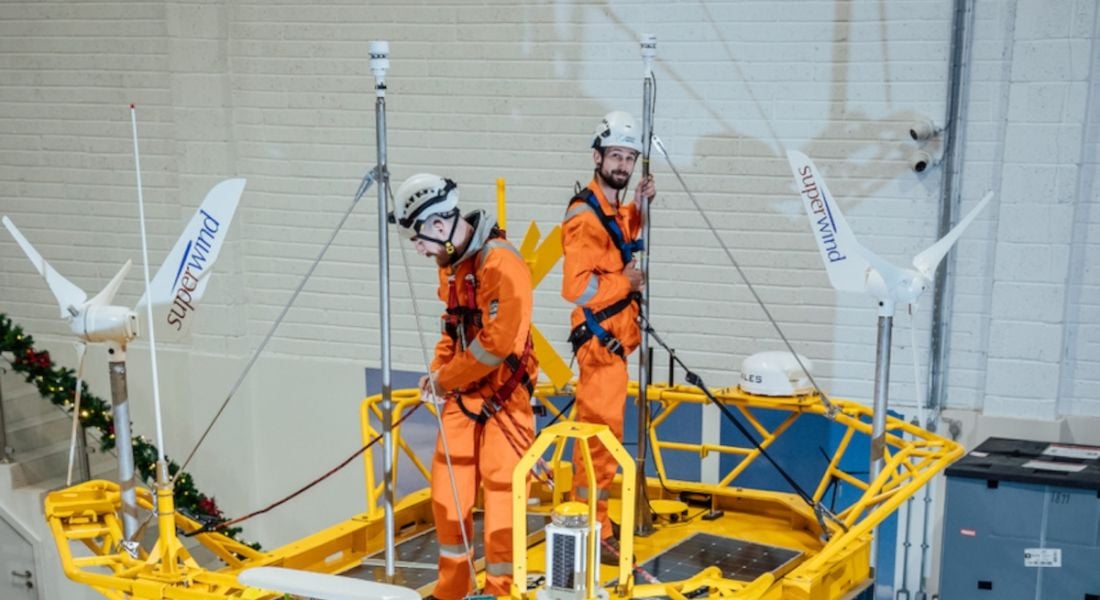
482,376
601,278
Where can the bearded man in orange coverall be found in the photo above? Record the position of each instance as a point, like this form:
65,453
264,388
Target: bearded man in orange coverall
601,279
482,376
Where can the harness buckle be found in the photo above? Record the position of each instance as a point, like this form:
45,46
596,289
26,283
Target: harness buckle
613,345
489,407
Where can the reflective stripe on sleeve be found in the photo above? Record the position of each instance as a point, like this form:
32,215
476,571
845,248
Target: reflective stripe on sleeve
576,209
483,356
589,291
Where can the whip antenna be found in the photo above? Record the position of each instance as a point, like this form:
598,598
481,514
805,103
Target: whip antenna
162,470
643,517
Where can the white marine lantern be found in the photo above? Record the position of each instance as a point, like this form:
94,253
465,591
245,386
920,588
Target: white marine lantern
567,574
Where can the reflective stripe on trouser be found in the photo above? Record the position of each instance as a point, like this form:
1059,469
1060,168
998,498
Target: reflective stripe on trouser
481,457
601,398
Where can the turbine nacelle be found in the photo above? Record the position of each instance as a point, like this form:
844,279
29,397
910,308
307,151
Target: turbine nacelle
116,324
99,321
907,288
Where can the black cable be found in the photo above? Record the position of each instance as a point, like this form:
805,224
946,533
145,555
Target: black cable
834,483
568,406
697,381
214,527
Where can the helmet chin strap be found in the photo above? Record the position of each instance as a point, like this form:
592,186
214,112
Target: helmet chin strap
448,244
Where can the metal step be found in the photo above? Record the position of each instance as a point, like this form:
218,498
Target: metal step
25,435
47,465
38,434
21,400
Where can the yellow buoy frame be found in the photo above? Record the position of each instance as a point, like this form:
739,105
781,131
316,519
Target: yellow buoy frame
88,514
582,433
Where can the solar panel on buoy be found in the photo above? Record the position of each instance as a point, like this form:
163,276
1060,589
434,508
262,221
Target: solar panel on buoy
418,556
740,560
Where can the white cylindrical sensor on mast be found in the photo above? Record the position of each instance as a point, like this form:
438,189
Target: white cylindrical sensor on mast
649,51
379,64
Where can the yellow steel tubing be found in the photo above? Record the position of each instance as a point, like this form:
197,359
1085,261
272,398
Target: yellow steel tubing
594,536
844,476
831,470
704,449
756,424
502,205
755,452
912,463
667,411
373,509
403,400
882,511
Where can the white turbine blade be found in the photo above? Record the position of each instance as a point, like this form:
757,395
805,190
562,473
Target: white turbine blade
180,283
927,261
69,297
81,352
107,294
891,274
846,261
322,586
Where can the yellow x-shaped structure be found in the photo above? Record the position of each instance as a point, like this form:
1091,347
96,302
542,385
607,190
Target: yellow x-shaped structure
541,256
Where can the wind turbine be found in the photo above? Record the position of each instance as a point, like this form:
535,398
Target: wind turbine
176,292
853,268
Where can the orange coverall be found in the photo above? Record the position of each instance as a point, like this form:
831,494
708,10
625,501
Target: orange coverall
592,278
482,454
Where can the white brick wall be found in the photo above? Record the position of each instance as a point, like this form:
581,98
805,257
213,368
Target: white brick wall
1032,136
1079,392
280,93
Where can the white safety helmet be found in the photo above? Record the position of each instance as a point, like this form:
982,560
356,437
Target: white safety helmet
618,129
422,196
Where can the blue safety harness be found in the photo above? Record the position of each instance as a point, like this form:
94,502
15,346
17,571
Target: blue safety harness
591,326
626,249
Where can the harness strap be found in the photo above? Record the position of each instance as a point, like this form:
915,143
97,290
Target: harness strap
466,318
519,373
626,249
591,327
462,320
494,403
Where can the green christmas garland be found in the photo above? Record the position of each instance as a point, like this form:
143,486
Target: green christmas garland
58,385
